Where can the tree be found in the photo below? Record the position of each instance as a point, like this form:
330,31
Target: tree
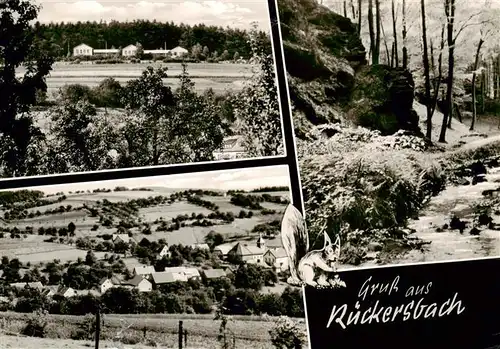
197,52
426,72
206,52
395,34
249,276
474,74
236,56
257,107
71,228
405,32
82,141
140,50
17,129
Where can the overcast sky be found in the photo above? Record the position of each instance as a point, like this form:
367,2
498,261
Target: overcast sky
244,179
233,13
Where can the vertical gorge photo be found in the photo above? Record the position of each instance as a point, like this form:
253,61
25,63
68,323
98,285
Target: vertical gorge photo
98,85
396,110
196,258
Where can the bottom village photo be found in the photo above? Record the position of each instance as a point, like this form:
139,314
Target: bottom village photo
181,261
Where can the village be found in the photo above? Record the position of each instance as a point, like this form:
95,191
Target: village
146,278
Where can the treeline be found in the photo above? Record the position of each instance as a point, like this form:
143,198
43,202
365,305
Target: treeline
60,38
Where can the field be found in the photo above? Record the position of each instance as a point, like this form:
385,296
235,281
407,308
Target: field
34,248
249,331
219,76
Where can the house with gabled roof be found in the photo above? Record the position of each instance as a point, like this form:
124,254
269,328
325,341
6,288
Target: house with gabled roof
232,148
277,258
248,252
50,290
107,283
34,285
165,277
190,273
129,51
66,292
178,51
164,252
121,238
83,50
144,271
223,250
139,283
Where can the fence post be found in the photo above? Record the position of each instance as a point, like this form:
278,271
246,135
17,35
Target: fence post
180,334
185,338
97,326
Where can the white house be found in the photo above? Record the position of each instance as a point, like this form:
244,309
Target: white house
232,148
129,51
178,51
277,258
121,238
140,283
111,51
83,50
107,283
190,273
165,252
248,252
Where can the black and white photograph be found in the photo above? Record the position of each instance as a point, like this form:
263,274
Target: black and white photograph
396,111
97,85
181,261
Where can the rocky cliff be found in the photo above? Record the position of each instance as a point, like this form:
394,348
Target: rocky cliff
328,76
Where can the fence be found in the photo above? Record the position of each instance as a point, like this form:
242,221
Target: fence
182,334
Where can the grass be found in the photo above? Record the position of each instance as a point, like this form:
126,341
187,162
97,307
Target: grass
249,331
219,77
33,249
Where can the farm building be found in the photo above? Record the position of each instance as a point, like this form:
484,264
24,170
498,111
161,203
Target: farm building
107,283
34,285
138,282
214,273
248,252
232,148
111,51
129,51
222,251
277,258
144,271
83,50
191,273
178,51
164,252
164,277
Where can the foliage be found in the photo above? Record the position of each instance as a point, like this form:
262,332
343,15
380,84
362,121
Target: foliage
287,335
17,129
364,186
36,325
257,106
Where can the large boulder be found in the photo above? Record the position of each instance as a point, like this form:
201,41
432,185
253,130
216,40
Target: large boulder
328,76
382,99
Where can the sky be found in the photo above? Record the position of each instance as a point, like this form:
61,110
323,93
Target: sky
243,179
233,13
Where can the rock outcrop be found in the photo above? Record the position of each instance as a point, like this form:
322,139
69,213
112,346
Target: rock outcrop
329,79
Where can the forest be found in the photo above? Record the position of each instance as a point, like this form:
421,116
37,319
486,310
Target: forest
397,114
60,38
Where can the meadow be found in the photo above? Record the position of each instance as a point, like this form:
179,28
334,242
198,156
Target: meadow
249,331
218,76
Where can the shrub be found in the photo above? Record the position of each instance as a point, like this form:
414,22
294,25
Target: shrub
36,325
286,334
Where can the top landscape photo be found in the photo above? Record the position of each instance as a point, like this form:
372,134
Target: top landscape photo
98,85
396,110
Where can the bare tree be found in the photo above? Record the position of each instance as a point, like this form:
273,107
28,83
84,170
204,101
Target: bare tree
405,48
437,80
371,30
378,34
345,8
474,74
395,33
426,72
360,12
